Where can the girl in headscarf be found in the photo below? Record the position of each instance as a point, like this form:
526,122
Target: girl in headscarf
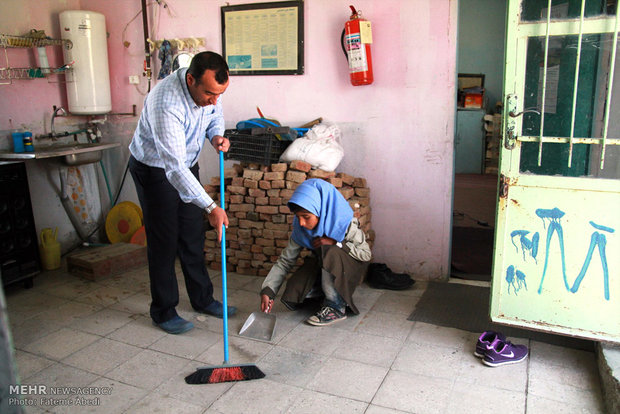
323,223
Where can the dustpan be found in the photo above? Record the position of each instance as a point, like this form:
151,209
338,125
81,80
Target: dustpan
259,325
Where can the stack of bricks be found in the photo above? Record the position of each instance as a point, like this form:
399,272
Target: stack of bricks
256,198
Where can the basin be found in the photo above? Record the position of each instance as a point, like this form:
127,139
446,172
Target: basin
74,153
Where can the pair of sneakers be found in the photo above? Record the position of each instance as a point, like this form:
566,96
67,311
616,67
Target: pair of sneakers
495,350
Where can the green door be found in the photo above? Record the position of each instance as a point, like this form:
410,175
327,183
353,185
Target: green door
557,244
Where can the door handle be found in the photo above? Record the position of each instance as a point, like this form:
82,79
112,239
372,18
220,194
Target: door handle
512,114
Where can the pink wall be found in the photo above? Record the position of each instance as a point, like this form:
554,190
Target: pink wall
397,133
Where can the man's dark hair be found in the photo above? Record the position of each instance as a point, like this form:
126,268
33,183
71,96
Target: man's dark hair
209,60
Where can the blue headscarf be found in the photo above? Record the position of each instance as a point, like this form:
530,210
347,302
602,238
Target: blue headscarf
324,201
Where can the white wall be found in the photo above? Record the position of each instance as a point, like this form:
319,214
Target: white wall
397,133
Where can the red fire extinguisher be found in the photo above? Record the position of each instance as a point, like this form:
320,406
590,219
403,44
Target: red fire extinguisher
355,41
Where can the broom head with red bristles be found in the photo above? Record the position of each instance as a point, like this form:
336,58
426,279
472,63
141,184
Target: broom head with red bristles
224,373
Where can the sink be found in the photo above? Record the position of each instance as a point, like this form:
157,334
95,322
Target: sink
70,153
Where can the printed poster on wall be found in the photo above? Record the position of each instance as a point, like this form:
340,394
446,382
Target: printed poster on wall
263,38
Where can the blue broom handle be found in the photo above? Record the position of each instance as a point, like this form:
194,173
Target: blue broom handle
223,244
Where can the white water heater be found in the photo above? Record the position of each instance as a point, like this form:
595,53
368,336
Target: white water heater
88,81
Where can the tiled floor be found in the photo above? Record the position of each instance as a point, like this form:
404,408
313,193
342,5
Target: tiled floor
72,332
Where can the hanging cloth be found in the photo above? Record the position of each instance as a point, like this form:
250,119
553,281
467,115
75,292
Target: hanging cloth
165,55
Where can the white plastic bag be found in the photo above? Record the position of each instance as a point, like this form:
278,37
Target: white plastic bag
320,147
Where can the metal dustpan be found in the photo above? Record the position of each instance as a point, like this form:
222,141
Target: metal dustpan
259,325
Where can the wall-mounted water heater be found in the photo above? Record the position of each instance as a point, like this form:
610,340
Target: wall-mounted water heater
88,82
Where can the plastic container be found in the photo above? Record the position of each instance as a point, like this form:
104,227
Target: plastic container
18,141
49,249
255,145
28,144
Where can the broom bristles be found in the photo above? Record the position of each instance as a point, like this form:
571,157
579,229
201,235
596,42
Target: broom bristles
226,373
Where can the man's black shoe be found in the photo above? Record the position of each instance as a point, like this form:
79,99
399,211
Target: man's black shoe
382,277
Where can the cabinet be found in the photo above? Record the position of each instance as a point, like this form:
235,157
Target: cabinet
19,248
469,141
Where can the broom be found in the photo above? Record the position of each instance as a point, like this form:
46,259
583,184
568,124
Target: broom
225,372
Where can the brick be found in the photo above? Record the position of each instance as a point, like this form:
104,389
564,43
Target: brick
273,193
280,167
240,214
286,193
278,218
255,248
249,224
255,192
253,216
295,176
241,207
243,255
262,201
102,262
318,173
236,199
278,184
274,175
237,181
268,234
211,188
275,201
267,209
259,256
335,181
281,243
346,178
263,272
253,174
244,233
347,192
234,189
264,184
230,173
290,185
359,182
249,200
362,191
257,232
276,226
251,184
299,165
284,209
261,241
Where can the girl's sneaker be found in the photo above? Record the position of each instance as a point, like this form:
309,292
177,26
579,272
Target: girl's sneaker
326,316
504,353
486,340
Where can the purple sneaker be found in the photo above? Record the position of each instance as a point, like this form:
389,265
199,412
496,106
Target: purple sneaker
486,341
504,353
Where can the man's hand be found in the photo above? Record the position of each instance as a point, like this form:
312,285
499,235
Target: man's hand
216,219
220,143
266,304
320,241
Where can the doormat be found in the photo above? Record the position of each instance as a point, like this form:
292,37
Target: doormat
466,307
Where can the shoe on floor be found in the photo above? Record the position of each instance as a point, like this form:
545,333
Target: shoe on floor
175,326
486,340
504,353
326,316
216,308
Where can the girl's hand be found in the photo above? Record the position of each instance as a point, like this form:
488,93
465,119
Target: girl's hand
266,304
320,241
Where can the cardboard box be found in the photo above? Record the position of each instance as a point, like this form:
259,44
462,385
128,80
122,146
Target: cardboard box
473,100
102,262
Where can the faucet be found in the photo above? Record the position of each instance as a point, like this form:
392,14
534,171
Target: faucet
54,115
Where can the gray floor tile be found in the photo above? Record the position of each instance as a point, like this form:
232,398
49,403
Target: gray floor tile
249,397
369,349
102,322
290,366
148,369
348,379
139,332
385,324
413,393
102,356
189,345
316,339
467,399
310,402
29,364
61,343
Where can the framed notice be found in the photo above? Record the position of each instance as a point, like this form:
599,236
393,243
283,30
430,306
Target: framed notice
264,38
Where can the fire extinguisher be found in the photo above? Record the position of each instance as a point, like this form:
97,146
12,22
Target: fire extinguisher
355,41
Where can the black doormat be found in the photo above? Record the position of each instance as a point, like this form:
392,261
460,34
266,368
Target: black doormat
466,307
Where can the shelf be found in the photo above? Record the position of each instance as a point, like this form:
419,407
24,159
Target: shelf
10,41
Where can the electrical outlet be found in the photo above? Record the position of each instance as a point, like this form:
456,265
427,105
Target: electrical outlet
134,79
